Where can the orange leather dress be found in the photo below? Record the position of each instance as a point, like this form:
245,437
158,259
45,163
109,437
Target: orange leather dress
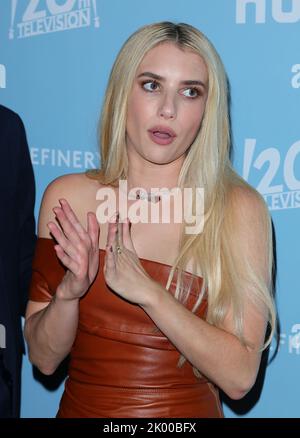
120,366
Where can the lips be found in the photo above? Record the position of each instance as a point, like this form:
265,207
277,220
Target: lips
163,131
162,135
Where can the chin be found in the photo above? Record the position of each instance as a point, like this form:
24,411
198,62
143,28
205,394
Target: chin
159,160
159,157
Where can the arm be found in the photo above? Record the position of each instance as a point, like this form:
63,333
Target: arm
215,351
50,329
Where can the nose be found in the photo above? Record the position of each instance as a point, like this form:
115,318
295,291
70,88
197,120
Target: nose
167,109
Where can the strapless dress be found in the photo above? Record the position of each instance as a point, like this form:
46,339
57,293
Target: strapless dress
121,365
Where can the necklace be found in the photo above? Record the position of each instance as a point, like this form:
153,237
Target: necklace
153,196
138,193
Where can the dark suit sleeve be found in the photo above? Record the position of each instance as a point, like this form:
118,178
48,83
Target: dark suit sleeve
26,199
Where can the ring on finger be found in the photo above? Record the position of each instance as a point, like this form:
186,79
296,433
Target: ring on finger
119,250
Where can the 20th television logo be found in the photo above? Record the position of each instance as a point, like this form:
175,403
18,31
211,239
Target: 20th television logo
37,17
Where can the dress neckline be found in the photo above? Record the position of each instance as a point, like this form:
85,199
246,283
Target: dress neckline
160,263
140,258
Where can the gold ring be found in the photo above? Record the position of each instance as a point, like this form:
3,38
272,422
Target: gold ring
119,250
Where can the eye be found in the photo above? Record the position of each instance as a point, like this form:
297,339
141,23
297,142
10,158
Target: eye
191,92
150,85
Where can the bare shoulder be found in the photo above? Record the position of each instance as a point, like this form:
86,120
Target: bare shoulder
246,202
69,186
248,219
77,188
249,232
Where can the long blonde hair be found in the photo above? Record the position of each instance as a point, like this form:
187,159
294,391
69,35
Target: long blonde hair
223,266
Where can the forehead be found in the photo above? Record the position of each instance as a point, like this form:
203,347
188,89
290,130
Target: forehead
169,58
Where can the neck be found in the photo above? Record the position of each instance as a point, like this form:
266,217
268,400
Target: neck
147,175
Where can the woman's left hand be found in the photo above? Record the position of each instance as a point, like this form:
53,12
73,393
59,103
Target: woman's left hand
123,271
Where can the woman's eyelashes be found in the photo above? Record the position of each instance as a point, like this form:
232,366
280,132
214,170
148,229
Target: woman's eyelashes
192,92
152,86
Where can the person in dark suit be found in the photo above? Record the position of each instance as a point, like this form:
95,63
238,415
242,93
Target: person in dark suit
17,242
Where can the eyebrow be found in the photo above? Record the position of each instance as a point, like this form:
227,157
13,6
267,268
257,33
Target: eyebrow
161,78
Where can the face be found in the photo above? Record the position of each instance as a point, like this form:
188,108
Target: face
166,103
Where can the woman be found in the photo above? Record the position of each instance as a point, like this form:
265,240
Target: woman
165,316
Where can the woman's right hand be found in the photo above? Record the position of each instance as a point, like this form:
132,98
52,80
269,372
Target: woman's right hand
77,249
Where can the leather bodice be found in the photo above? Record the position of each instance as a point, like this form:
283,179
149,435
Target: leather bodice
121,365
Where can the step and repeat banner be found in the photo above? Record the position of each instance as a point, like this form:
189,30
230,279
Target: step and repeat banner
55,58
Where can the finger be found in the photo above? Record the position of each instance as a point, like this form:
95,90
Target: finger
109,262
127,235
61,239
67,261
72,217
93,230
112,234
66,226
119,231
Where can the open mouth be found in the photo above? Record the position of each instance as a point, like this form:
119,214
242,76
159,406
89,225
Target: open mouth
162,134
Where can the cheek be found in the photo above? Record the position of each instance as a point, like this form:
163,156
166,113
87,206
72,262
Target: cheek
193,122
133,105
132,111
136,112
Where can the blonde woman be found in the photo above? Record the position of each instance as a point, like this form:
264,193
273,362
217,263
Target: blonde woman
156,315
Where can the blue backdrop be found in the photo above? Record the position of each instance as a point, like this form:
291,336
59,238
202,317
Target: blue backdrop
55,57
